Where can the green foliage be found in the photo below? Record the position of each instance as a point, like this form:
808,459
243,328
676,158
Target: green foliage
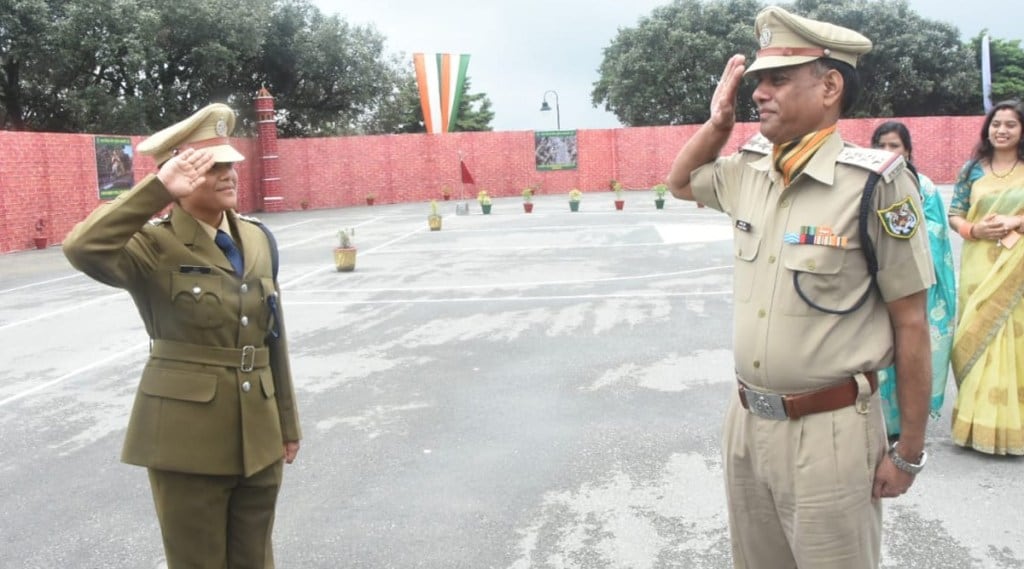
345,237
917,67
575,195
664,70
660,190
135,66
1007,60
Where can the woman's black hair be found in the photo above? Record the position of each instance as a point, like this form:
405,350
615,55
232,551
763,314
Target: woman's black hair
900,129
984,150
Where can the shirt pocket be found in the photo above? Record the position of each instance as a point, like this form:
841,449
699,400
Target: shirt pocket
178,384
747,245
820,278
198,299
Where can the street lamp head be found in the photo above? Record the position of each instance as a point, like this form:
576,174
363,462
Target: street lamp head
545,106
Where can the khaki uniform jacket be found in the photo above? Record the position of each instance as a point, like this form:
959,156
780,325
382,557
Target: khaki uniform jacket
781,342
199,408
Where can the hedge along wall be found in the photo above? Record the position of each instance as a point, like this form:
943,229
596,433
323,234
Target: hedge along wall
52,177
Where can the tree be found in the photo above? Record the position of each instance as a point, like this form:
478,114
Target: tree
664,70
402,113
916,67
1007,59
134,66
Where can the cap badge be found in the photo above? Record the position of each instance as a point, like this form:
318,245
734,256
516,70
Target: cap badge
765,39
221,128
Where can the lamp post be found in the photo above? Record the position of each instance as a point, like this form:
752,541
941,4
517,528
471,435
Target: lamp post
544,106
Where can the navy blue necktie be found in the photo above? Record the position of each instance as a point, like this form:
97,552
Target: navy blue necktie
226,244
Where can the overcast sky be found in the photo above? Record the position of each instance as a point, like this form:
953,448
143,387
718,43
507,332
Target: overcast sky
522,48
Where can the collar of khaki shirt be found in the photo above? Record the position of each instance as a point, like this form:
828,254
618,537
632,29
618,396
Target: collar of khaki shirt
821,166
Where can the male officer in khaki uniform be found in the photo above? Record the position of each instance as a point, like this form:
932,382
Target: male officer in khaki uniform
215,412
804,444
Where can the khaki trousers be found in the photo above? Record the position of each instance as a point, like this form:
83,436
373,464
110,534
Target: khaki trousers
799,491
217,522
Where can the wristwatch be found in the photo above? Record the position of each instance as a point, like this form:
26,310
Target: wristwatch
908,467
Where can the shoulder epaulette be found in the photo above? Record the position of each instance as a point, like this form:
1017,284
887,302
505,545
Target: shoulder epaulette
757,144
882,162
166,218
250,219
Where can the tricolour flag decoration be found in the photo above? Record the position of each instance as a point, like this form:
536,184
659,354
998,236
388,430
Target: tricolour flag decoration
440,88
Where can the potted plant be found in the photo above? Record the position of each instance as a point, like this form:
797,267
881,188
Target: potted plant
574,199
485,202
370,198
528,200
345,252
446,193
304,204
434,219
659,195
40,239
617,188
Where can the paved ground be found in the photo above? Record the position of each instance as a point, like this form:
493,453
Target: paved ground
516,391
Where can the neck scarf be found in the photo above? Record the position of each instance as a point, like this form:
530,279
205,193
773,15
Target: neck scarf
790,158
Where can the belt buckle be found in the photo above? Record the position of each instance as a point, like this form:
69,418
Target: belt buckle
766,405
248,358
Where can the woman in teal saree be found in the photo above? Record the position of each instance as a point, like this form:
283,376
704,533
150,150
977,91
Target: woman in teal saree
894,137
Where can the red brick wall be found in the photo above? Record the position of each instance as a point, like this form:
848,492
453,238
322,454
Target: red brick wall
53,176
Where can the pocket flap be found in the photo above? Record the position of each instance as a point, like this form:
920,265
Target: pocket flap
746,245
267,382
178,384
816,259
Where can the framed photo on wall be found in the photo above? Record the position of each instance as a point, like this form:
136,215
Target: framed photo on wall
113,166
555,149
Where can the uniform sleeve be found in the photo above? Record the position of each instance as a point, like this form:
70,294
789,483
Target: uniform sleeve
904,260
108,245
711,183
283,385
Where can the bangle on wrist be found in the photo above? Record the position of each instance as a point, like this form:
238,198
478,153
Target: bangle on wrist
966,230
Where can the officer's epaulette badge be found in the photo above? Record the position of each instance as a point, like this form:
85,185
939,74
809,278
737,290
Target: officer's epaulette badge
884,163
166,218
757,144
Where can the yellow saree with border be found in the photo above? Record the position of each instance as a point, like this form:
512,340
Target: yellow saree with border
988,345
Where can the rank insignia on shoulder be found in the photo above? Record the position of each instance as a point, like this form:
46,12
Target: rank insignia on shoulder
901,219
249,218
160,220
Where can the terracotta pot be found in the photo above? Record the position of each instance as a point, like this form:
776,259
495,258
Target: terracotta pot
40,242
528,207
369,201
619,204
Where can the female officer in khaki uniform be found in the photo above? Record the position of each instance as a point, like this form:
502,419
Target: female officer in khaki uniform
215,413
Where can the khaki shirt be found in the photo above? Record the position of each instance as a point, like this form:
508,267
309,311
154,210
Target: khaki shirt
781,343
192,415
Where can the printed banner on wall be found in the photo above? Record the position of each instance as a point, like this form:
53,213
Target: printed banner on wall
113,165
555,149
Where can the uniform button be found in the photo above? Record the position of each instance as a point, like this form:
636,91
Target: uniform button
244,321
811,265
757,364
761,313
196,290
785,203
771,259
244,289
246,386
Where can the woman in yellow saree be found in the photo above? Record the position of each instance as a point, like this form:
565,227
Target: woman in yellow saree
988,345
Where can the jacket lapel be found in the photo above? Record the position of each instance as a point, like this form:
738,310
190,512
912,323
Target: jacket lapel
192,235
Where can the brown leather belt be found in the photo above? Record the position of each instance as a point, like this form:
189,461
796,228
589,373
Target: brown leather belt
245,358
794,406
